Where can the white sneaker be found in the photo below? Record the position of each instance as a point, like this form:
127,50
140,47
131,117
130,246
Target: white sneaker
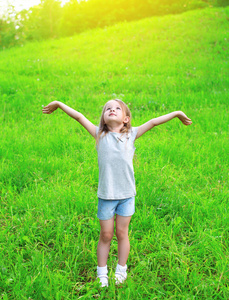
120,274
102,275
103,280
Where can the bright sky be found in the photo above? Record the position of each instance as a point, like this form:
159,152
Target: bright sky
20,4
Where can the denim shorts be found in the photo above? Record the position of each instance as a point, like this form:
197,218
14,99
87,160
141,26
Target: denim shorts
108,208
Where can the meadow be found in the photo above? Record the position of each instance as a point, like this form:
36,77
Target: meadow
49,173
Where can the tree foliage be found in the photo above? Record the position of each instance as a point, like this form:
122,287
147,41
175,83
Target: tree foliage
50,20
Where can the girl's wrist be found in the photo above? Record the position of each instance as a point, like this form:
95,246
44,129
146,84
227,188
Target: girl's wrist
58,103
177,113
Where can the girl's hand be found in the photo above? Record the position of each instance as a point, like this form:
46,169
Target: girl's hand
184,119
50,107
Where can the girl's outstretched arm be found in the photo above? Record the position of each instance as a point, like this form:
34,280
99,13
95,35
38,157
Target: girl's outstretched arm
91,128
163,119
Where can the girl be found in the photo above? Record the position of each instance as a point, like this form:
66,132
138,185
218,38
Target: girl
116,191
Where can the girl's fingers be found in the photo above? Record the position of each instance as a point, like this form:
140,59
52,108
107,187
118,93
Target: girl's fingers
46,111
187,120
188,123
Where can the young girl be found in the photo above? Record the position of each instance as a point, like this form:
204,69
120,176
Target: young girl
116,192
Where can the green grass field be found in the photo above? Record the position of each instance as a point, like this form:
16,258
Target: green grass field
49,174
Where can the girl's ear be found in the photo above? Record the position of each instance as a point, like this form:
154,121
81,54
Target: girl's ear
126,119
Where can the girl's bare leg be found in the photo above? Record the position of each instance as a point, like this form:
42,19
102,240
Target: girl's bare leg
106,235
122,226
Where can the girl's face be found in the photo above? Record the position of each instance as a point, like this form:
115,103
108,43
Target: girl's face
114,113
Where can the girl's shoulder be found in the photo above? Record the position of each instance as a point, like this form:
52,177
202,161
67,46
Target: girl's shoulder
134,130
133,133
97,130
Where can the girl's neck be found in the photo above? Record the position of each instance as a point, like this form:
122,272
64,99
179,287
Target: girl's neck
115,128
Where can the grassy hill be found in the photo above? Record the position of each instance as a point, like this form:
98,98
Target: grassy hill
49,174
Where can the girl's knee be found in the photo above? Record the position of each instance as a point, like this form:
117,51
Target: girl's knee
106,236
121,233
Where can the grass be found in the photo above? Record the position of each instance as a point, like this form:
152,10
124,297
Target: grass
49,174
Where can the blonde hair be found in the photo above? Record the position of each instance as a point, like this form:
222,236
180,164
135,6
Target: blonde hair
126,126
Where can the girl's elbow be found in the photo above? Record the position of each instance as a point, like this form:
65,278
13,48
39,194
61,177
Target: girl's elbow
78,117
153,124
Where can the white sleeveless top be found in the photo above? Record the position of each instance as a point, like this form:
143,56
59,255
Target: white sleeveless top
115,158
